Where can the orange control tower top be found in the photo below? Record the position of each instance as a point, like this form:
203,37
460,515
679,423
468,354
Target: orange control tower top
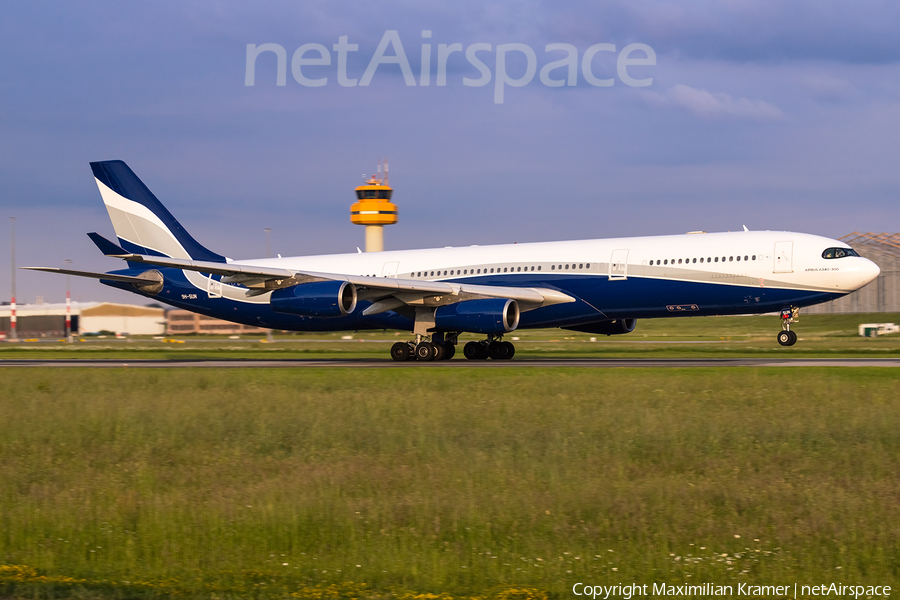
373,205
373,208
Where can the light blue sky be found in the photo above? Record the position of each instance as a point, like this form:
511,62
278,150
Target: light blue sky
770,114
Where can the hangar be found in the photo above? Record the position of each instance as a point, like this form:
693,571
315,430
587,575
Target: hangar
883,294
49,320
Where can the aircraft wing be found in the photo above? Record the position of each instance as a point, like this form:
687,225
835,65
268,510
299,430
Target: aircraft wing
387,293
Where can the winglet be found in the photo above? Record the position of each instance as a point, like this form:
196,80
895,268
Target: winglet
745,228
107,247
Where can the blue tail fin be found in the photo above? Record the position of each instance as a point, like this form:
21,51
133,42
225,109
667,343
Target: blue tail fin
143,225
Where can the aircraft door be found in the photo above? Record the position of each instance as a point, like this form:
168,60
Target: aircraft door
390,269
213,287
618,265
784,254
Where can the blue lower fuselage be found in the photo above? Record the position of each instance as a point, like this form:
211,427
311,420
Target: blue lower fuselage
598,298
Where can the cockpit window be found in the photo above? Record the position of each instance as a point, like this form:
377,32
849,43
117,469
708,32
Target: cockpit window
839,252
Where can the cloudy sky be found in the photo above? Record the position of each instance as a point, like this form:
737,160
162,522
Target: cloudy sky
768,114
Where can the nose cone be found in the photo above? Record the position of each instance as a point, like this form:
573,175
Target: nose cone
868,271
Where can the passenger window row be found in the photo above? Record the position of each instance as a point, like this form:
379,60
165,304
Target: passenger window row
708,259
829,253
487,271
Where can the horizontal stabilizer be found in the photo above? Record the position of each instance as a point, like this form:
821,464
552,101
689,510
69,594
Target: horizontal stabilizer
107,247
144,279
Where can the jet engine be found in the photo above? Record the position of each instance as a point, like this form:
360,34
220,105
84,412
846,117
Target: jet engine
316,299
613,327
493,315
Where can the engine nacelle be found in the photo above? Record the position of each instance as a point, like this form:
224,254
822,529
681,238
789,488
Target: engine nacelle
316,299
614,327
493,315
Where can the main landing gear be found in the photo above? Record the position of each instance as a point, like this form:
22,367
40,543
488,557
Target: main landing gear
786,337
491,348
439,348
443,347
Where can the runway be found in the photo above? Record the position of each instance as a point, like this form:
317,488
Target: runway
596,363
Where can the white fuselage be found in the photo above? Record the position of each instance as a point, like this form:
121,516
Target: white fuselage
774,259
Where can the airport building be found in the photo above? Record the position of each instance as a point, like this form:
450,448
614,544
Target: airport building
49,320
44,320
883,294
183,322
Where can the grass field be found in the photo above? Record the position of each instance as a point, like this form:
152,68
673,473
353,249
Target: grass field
464,482
820,336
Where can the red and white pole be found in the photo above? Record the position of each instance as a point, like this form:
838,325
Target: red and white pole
68,305
13,333
68,316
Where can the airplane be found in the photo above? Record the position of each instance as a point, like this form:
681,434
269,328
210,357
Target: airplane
600,286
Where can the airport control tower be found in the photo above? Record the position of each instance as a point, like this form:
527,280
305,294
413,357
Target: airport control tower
373,208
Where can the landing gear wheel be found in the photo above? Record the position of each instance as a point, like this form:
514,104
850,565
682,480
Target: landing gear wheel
510,350
472,350
400,351
439,350
449,351
497,351
788,316
425,351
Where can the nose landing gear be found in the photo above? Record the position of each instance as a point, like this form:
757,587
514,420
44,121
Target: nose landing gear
786,337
